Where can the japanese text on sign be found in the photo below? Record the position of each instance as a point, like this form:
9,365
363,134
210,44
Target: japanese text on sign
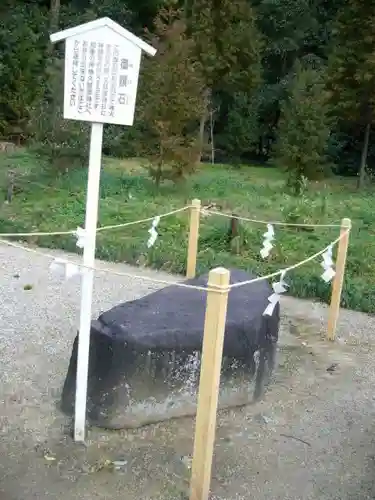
102,82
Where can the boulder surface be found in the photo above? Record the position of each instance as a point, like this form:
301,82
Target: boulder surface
146,353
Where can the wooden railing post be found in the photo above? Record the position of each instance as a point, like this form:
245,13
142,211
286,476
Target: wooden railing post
338,280
212,352
193,239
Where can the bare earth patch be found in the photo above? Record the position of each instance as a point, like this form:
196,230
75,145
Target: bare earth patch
311,438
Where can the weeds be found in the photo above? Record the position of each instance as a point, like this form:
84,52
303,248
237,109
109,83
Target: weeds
59,204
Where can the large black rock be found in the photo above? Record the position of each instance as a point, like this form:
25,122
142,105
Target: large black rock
145,354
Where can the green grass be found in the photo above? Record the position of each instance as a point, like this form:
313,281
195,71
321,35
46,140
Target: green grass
45,203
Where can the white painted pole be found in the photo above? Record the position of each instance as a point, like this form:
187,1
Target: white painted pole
92,201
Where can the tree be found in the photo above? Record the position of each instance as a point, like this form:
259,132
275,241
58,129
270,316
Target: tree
292,32
304,129
227,45
171,100
239,134
352,70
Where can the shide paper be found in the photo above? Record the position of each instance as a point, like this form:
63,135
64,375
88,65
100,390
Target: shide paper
80,235
269,236
278,288
153,233
327,265
62,267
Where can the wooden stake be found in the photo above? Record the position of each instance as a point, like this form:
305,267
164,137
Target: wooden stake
338,281
212,352
193,239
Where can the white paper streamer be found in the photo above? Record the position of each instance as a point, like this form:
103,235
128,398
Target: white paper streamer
278,288
269,236
64,268
327,265
153,233
80,234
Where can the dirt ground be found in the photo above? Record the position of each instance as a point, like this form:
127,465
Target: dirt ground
311,438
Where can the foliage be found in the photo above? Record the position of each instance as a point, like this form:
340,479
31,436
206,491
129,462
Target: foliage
303,129
227,43
32,94
352,62
228,46
352,68
22,45
254,192
292,33
247,50
171,97
63,142
239,135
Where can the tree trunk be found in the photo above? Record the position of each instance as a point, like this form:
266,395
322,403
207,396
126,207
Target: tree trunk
54,15
159,167
212,137
202,124
233,227
362,168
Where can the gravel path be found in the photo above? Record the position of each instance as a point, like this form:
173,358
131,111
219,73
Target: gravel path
312,437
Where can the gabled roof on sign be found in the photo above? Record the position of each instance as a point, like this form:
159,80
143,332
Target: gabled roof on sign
100,23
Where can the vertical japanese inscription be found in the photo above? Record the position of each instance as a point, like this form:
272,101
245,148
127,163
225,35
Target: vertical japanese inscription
73,89
114,78
98,70
82,79
100,84
107,66
90,78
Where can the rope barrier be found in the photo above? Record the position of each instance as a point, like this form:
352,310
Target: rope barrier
295,266
103,270
175,283
149,219
172,212
276,223
99,229
171,283
53,233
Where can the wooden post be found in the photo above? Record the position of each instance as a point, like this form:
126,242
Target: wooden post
233,234
193,239
212,352
338,281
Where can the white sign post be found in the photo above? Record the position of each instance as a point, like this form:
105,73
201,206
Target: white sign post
102,62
